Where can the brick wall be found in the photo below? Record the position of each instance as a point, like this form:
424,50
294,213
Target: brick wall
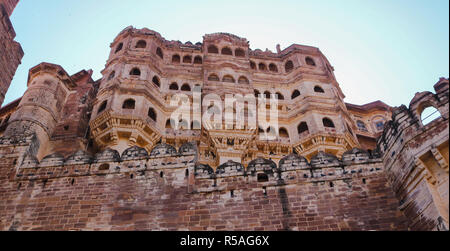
9,5
166,191
11,52
416,160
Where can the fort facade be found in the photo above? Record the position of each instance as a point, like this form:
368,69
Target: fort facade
108,154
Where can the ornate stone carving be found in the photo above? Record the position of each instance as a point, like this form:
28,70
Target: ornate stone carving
134,153
163,150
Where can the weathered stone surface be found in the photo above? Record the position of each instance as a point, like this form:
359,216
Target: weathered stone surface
11,52
163,150
261,164
55,159
108,155
324,159
230,168
356,155
134,153
293,162
220,178
416,159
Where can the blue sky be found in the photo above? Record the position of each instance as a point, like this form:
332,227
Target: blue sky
381,50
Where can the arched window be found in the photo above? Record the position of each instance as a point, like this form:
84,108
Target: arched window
176,59
328,123
257,93
318,89
156,81
262,67
112,75
135,72
198,60
310,61
227,51
243,80
267,94
239,52
187,59
289,66
213,49
129,104
361,126
228,79
378,122
252,65
303,127
429,114
280,96
284,133
174,86
273,68
295,94
152,114
159,53
119,47
168,124
186,88
213,77
379,125
141,44
102,107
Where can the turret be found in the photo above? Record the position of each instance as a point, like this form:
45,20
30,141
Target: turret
40,107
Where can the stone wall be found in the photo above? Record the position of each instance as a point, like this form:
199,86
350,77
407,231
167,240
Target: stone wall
9,5
416,159
166,190
11,52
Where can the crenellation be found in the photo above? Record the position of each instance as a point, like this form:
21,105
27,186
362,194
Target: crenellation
413,162
104,155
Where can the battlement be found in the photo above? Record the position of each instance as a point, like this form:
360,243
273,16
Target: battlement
415,155
293,194
404,118
11,51
105,155
135,160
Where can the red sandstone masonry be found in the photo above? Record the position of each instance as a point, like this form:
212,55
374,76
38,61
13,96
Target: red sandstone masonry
422,188
11,52
81,197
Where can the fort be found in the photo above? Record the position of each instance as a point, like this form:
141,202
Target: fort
84,154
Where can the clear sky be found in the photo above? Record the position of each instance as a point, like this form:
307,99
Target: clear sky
381,50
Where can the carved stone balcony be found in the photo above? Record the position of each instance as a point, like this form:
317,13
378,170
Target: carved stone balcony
121,131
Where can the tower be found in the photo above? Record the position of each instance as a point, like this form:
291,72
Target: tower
39,110
10,50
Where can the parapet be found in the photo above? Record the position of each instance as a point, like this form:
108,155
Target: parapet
404,117
53,69
165,152
134,153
